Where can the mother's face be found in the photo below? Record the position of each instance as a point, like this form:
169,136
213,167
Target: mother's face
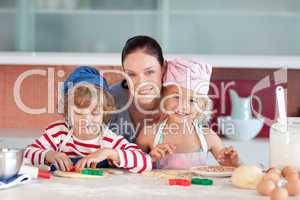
146,73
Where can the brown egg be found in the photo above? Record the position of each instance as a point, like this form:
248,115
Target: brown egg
287,169
279,194
272,176
293,188
265,187
274,170
292,176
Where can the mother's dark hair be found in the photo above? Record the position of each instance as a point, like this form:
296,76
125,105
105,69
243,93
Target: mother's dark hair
145,44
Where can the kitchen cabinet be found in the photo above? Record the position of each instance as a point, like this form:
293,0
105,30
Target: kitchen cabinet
268,27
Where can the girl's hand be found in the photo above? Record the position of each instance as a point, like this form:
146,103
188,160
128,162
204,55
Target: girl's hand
161,150
228,157
60,160
92,159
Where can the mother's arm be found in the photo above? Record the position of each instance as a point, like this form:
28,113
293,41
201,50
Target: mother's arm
143,140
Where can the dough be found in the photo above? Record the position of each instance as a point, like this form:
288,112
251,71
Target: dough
112,171
246,177
75,175
78,175
170,174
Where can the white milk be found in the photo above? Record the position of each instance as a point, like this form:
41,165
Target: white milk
285,144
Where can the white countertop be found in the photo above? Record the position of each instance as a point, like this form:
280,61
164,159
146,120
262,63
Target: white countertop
124,187
114,59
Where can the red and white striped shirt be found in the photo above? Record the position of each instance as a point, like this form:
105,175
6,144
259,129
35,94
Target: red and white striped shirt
131,156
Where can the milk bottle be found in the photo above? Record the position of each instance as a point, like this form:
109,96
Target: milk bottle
285,144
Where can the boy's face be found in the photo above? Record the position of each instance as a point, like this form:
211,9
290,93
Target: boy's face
182,104
86,112
87,121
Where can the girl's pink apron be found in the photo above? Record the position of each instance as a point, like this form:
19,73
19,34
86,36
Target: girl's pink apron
183,160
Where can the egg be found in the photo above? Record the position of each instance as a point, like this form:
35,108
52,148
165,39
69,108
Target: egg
272,176
279,194
265,187
287,169
293,188
292,176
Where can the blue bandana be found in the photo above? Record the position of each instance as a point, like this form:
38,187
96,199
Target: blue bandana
85,74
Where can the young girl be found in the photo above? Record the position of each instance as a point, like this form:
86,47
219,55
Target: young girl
83,133
180,140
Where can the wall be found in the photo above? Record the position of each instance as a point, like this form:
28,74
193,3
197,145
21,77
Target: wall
34,92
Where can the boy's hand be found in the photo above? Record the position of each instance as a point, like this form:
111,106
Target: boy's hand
161,150
60,160
92,159
228,157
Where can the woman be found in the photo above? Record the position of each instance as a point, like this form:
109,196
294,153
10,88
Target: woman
143,62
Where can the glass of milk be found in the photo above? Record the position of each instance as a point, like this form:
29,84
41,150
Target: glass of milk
285,144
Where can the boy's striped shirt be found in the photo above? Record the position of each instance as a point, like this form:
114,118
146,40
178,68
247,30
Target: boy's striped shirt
131,156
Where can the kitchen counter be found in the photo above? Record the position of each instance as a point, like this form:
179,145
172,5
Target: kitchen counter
124,187
114,59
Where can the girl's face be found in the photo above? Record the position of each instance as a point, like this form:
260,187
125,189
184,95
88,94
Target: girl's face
182,104
145,73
